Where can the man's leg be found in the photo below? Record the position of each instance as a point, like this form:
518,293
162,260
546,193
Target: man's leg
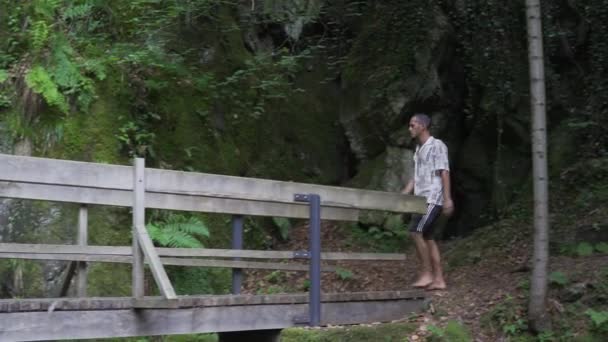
425,276
438,282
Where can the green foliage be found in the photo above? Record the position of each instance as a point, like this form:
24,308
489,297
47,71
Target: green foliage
198,280
390,332
584,249
453,332
599,321
41,82
267,78
558,279
40,34
136,136
602,247
344,273
3,75
284,226
178,231
507,317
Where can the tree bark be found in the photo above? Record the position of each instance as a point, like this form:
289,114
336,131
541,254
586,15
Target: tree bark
537,311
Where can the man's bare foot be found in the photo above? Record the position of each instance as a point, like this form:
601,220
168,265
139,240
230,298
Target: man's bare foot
423,281
436,285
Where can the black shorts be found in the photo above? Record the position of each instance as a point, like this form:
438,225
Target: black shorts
426,224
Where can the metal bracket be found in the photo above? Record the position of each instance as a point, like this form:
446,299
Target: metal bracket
301,254
301,198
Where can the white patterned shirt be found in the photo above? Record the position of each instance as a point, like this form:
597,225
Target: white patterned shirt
429,160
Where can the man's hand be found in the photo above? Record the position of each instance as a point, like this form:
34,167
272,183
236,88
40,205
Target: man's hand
448,207
409,188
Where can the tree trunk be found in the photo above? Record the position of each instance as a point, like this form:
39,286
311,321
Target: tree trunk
537,312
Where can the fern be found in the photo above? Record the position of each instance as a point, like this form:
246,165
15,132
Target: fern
178,231
41,83
40,34
46,8
77,11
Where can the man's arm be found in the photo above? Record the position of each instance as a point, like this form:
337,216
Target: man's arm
448,204
409,188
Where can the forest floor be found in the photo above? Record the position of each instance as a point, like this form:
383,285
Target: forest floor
488,276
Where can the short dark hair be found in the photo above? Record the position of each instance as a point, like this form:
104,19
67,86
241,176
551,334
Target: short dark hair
424,119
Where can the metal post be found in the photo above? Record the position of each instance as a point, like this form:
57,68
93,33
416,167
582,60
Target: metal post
237,243
138,219
315,260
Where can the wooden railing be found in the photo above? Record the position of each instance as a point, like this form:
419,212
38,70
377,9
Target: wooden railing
139,187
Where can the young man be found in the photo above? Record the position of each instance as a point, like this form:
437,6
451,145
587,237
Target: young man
431,180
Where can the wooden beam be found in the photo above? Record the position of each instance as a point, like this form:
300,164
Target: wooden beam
89,324
124,198
165,260
102,176
193,301
189,252
220,186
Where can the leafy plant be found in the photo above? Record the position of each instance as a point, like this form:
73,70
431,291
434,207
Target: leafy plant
558,278
344,274
284,226
3,75
178,231
602,247
599,320
584,249
41,83
507,317
453,332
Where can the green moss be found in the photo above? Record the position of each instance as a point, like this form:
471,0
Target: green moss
395,332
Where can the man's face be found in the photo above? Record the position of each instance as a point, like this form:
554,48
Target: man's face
415,128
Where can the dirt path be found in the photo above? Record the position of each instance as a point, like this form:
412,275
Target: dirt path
474,288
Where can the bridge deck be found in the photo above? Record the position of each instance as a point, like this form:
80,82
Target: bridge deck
72,318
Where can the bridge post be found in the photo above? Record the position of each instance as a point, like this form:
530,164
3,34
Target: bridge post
138,220
81,289
237,243
314,246
315,260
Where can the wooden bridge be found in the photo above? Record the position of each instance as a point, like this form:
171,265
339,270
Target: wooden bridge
233,316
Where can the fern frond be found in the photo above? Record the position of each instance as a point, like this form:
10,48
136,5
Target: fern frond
77,11
40,34
178,231
41,83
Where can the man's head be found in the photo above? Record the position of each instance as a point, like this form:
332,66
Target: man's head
419,126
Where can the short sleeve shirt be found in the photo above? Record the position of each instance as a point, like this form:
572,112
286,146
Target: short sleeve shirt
429,160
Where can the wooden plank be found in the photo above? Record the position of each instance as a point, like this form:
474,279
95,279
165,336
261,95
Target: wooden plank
219,186
83,236
65,172
124,198
190,252
245,207
113,303
59,325
80,174
166,261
